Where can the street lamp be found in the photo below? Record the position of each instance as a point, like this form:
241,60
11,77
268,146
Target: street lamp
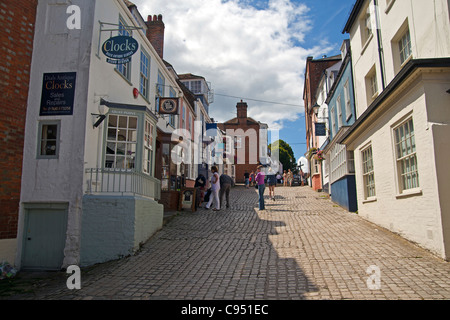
316,108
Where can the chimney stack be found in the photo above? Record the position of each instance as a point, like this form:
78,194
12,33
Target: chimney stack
155,33
242,110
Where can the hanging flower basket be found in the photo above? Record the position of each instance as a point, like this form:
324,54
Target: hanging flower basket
311,152
319,155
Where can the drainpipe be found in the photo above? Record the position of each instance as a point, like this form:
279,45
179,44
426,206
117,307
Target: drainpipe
380,44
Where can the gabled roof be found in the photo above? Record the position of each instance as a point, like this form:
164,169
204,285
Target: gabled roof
190,76
236,121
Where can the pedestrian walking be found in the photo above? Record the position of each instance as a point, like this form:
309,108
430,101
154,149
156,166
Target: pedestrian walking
247,179
279,178
260,176
252,179
226,182
215,188
272,181
290,177
284,179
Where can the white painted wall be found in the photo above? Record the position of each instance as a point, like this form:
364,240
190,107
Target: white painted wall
417,217
57,49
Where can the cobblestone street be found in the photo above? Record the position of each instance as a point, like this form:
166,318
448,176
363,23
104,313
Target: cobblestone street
301,247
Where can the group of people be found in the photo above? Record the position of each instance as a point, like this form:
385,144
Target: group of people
221,185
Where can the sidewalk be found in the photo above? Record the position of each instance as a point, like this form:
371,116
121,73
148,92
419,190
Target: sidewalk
301,247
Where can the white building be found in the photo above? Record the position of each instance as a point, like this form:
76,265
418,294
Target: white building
89,193
401,65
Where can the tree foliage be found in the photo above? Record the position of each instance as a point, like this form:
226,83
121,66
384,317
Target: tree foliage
286,155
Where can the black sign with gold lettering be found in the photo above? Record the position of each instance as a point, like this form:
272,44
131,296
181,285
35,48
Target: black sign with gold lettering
58,93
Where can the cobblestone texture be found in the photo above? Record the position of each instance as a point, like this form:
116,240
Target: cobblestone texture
301,247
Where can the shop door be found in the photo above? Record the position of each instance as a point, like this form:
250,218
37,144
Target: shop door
44,238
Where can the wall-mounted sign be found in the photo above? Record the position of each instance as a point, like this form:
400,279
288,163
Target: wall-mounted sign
58,93
321,129
120,49
168,105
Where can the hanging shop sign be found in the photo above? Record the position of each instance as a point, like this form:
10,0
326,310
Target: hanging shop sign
58,93
321,129
168,105
120,49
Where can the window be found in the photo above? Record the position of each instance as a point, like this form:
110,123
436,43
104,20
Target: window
339,110
196,87
404,46
160,89
366,27
405,147
368,173
316,167
332,121
172,94
183,117
49,133
348,106
371,85
121,142
145,74
124,69
338,162
148,148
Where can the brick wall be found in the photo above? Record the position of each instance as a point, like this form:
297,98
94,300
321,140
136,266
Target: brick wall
155,33
243,122
17,19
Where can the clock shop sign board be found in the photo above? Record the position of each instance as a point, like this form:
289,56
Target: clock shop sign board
168,105
120,49
58,93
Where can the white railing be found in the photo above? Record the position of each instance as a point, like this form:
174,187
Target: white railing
121,182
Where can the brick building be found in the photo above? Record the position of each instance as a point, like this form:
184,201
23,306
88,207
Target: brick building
249,145
16,44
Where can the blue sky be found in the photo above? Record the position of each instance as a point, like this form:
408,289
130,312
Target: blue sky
252,49
328,19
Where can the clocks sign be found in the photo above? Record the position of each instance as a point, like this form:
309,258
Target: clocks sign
168,105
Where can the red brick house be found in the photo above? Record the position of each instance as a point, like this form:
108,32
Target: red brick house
16,45
245,132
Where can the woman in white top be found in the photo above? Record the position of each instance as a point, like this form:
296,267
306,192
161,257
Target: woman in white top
215,188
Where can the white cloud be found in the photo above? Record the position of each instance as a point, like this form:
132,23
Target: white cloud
243,51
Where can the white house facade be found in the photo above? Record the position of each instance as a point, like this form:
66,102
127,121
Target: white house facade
89,194
401,65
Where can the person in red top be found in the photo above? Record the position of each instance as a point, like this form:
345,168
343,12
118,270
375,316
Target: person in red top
261,186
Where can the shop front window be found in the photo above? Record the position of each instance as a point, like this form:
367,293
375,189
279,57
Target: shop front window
121,142
148,148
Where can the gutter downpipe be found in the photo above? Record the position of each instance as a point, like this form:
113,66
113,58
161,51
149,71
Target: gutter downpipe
380,44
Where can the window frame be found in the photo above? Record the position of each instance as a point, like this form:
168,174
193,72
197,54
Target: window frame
57,140
124,69
401,156
402,48
144,87
148,152
368,173
127,143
